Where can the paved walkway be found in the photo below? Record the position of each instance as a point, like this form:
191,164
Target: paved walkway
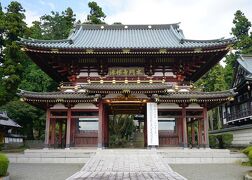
126,164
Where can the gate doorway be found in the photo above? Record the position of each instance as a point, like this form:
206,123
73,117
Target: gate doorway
127,125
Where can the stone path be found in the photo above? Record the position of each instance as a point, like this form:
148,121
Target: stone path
133,164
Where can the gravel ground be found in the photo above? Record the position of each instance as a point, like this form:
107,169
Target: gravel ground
190,171
42,171
211,171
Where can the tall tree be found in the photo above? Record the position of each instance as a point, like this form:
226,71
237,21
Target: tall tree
11,68
241,31
243,45
1,34
96,15
56,25
213,80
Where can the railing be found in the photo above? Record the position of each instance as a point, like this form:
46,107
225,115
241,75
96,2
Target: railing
239,115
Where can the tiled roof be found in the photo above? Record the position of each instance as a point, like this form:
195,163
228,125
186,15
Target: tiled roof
6,121
56,95
197,95
128,86
246,62
87,36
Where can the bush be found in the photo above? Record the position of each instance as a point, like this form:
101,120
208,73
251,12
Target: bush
213,142
1,146
221,141
225,140
248,152
4,164
117,142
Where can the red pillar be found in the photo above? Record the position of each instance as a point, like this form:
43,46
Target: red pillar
60,133
205,119
184,123
100,131
180,132
200,132
68,130
47,128
53,122
193,133
105,126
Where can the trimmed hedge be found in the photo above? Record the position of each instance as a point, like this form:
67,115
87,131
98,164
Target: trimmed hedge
221,141
248,152
4,164
213,142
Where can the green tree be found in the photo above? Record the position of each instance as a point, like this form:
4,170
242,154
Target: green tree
35,31
56,25
25,115
241,31
213,80
11,67
243,45
121,127
1,34
230,60
96,15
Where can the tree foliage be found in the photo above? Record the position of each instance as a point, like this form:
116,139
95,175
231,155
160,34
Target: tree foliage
96,15
221,78
11,65
18,71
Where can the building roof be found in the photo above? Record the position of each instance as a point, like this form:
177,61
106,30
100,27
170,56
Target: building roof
58,96
212,99
246,62
173,97
88,36
243,71
6,121
197,95
128,86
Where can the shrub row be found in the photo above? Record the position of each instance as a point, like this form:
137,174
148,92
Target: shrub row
220,141
4,163
248,152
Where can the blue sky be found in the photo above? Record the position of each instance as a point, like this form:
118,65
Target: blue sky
200,19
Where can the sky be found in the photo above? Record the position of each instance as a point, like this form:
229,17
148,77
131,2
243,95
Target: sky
200,19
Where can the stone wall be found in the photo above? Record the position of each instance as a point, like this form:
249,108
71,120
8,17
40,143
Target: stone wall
242,137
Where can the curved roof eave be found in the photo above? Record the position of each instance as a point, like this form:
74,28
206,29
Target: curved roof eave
133,37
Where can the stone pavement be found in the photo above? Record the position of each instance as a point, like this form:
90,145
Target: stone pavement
126,164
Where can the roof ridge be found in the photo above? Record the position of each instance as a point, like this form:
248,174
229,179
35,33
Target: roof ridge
210,40
45,40
126,26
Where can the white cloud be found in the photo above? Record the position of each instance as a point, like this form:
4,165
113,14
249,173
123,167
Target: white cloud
206,19
31,16
50,4
199,19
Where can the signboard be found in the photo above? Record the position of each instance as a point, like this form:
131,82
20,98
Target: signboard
152,124
126,71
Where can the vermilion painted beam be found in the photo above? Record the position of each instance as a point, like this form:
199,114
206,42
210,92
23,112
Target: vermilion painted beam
60,132
206,140
53,135
184,124
68,129
100,131
200,132
192,133
47,129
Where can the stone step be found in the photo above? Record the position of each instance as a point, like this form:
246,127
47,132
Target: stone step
53,156
203,156
170,155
